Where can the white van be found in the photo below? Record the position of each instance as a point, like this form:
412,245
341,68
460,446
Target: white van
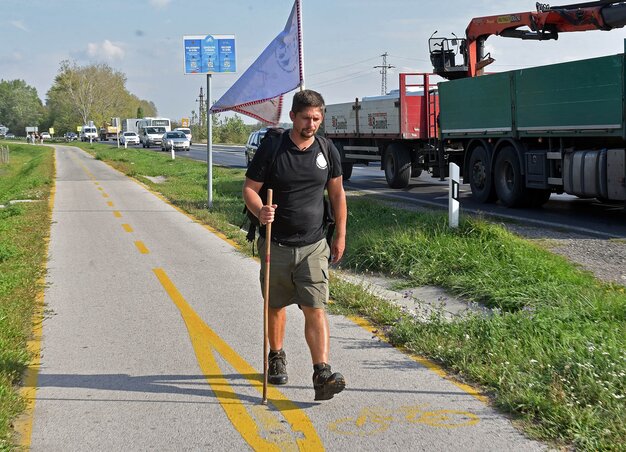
152,136
89,132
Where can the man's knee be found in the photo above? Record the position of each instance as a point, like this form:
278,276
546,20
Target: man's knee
313,313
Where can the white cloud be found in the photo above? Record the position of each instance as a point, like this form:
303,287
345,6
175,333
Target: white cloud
19,24
160,4
105,50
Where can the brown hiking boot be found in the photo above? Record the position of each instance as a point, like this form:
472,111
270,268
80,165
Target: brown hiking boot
277,368
326,383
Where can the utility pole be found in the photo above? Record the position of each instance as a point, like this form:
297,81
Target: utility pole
200,99
383,71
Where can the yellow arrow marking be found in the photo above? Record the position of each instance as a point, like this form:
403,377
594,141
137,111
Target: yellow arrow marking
127,227
205,341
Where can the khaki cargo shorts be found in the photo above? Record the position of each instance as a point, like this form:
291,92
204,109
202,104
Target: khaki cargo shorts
298,275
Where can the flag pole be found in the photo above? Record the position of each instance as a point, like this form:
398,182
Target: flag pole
300,43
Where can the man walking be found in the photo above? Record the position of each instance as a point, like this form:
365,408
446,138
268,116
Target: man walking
298,170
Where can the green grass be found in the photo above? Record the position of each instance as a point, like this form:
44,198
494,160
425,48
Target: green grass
23,230
185,184
553,351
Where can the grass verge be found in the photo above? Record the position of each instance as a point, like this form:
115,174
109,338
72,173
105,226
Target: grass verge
553,352
24,229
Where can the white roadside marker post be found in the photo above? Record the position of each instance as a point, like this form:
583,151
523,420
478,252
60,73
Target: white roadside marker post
453,196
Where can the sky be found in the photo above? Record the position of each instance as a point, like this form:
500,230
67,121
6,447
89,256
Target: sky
343,41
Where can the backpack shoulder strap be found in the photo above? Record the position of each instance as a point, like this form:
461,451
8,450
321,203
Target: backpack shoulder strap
277,144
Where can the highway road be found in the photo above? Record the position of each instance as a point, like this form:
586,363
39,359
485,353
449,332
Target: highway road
586,216
153,338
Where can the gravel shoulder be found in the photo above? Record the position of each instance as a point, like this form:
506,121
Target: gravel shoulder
605,258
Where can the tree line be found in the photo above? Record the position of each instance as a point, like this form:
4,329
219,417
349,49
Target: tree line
95,92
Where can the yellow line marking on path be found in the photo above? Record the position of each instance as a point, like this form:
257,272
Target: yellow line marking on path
85,169
97,183
142,248
104,195
259,435
23,425
100,188
127,227
421,360
117,214
110,203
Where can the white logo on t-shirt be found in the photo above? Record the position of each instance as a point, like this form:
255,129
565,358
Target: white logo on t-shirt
320,161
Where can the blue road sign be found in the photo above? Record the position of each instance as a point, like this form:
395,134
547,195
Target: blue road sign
209,54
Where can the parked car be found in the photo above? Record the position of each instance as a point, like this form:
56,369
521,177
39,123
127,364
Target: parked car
45,135
129,138
70,136
253,143
175,139
10,136
187,133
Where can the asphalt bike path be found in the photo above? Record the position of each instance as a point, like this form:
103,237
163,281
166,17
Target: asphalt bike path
152,340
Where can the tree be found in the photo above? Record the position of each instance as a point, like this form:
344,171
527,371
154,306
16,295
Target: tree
233,130
20,106
95,92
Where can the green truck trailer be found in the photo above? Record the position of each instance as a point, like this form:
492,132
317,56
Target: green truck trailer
521,135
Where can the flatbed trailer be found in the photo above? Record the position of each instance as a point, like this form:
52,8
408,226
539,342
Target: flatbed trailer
528,133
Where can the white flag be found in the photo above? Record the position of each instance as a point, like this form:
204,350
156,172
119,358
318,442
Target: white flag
278,70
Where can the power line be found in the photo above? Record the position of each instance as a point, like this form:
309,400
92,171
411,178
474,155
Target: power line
342,67
343,78
412,59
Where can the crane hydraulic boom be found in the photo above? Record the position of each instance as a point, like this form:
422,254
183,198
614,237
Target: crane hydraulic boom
545,23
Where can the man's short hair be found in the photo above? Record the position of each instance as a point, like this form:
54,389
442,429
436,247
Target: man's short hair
306,99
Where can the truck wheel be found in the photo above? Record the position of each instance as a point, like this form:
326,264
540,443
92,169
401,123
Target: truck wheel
346,169
508,179
397,166
481,181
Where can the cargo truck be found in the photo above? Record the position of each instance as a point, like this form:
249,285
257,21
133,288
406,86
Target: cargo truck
518,136
108,132
130,125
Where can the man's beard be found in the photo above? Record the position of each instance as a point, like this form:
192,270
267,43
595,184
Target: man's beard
306,133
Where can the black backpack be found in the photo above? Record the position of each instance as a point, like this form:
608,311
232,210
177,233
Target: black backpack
276,134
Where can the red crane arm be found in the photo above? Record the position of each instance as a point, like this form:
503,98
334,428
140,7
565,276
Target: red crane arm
545,23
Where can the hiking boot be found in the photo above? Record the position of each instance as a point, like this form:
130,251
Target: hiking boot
277,368
326,383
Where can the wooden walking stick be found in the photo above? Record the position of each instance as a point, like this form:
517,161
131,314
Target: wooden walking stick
266,297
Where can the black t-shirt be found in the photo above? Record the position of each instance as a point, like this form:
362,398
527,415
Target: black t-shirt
298,180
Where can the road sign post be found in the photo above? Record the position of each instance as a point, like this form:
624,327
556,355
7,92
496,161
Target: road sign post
208,54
